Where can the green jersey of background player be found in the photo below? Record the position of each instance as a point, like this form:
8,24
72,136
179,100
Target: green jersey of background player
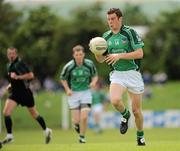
99,105
124,54
77,77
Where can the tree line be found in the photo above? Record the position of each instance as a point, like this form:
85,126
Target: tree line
45,39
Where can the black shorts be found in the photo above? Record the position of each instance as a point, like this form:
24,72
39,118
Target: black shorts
24,98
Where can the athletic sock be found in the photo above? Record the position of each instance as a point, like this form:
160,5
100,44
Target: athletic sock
76,125
140,134
81,136
8,124
125,113
41,122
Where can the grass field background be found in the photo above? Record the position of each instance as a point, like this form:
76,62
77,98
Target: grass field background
164,97
157,139
29,137
49,105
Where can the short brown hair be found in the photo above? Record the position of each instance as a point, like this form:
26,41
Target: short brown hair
13,48
117,11
78,48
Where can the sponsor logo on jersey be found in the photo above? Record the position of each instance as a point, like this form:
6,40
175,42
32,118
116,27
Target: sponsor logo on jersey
116,42
124,41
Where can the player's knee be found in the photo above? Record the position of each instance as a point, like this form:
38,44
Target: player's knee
6,112
84,118
34,114
75,120
115,101
137,112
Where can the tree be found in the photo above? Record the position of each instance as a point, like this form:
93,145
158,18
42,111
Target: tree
133,15
10,20
35,39
162,45
84,24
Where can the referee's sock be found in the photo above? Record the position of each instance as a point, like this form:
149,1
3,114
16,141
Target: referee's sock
41,122
8,124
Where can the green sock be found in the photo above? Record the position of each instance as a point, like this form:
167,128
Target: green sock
140,134
81,136
125,113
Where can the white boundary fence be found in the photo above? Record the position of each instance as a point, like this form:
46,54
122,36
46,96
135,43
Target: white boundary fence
111,119
65,113
0,116
168,118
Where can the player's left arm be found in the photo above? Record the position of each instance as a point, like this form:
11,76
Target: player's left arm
137,54
25,76
93,81
23,72
94,76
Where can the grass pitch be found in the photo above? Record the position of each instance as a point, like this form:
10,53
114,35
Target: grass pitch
157,139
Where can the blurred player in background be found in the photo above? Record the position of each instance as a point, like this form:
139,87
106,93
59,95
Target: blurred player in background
19,76
78,76
99,104
123,55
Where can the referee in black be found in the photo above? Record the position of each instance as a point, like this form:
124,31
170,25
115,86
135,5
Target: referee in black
19,76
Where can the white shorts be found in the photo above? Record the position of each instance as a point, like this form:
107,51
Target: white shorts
78,98
97,108
132,80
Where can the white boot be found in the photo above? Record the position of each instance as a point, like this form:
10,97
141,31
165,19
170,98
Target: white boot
8,139
48,133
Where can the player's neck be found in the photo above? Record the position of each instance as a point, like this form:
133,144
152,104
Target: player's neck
79,63
117,30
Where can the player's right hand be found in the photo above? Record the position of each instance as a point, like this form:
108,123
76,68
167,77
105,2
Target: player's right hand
100,58
13,75
8,88
69,92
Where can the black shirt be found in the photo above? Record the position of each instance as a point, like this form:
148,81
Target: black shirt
20,68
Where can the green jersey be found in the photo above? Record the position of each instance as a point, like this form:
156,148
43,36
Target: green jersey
126,40
98,97
78,77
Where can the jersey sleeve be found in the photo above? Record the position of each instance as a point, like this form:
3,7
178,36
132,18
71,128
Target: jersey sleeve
94,70
64,73
135,40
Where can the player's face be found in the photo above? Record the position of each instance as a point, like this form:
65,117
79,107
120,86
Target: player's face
78,56
11,54
114,22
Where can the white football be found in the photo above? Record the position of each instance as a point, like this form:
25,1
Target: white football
98,45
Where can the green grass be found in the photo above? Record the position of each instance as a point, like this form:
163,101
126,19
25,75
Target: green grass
157,139
49,105
164,97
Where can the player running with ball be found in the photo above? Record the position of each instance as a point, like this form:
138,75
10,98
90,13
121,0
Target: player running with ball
123,55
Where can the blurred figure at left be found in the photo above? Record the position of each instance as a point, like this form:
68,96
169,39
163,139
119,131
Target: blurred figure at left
99,104
19,76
